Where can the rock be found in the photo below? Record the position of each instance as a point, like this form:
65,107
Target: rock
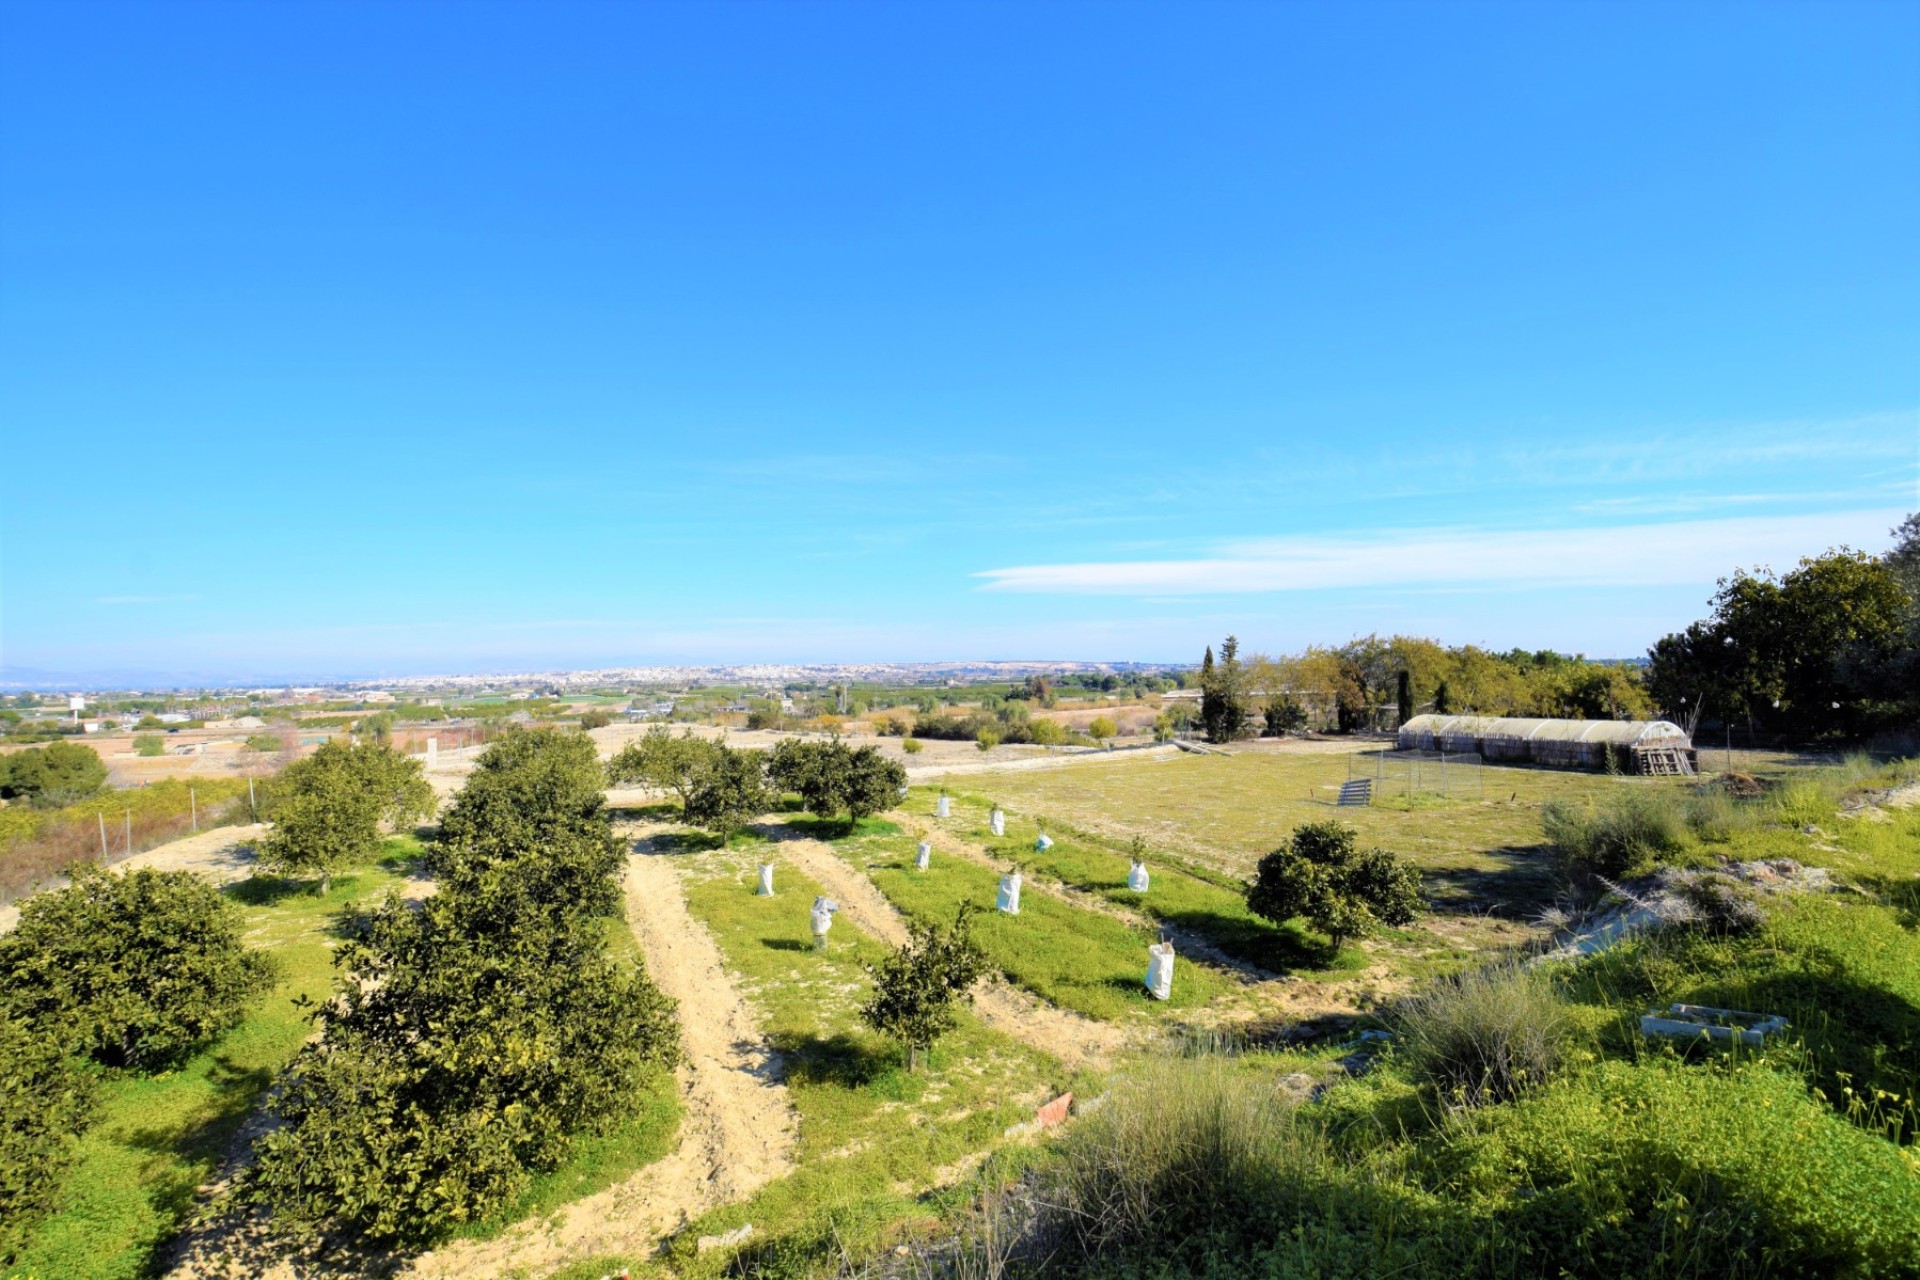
727,1240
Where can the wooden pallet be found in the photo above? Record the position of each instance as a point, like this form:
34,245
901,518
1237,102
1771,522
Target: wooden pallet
1665,762
1356,791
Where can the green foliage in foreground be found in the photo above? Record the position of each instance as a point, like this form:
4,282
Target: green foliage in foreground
1650,1169
1340,889
832,778
136,970
44,1104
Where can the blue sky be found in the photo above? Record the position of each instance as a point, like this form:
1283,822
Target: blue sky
371,339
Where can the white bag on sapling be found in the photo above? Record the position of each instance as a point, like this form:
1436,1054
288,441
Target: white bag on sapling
923,855
822,915
1010,893
1160,970
1137,878
997,822
766,880
943,808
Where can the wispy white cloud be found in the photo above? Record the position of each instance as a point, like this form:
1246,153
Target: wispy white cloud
116,600
1656,554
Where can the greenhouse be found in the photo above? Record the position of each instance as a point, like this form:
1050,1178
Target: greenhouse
1636,746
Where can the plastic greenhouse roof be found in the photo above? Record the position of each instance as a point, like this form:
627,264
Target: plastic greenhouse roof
1621,733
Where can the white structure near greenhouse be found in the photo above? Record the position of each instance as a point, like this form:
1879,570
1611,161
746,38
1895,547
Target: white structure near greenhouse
1639,746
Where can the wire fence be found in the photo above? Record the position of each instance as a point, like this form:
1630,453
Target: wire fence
1456,775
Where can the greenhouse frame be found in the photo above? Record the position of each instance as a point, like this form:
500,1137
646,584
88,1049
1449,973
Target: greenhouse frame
1636,746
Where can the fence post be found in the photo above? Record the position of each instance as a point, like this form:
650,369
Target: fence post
129,832
252,808
193,808
103,836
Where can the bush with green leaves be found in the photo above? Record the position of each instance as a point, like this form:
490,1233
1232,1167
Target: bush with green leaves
1486,1036
665,762
469,1041
731,792
534,789
136,970
45,1102
50,776
262,743
832,778
912,746
1341,890
1627,834
149,744
326,810
596,718
917,988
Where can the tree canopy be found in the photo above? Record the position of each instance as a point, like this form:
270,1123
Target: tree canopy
731,791
832,778
664,761
472,1038
1828,649
916,989
54,775
136,970
45,1102
327,809
1339,889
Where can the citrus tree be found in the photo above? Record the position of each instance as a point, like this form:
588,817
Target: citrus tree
1341,890
326,810
917,989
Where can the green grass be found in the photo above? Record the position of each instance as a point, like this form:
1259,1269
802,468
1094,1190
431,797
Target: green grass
158,1137
1180,894
1224,812
871,1134
1077,958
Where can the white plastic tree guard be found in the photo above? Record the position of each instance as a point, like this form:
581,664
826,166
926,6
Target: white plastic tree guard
997,822
923,855
904,788
766,880
1010,893
1160,970
433,752
1137,878
943,807
822,917
1044,843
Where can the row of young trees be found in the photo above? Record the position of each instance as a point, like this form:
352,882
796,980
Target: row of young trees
472,1037
722,788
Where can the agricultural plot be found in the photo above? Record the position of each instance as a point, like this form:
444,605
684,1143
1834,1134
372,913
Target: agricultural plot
874,1138
1225,811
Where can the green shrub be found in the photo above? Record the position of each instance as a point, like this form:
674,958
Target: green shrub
264,743
1627,834
1488,1035
1802,802
1667,1169
987,739
326,810
149,744
1340,889
51,776
137,970
44,1103
598,718
912,746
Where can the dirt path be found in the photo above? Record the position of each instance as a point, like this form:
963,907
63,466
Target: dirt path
737,1131
1075,1040
223,854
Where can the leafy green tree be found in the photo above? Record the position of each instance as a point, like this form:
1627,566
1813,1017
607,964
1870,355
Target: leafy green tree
986,739
135,970
832,778
1102,728
262,743
1283,715
917,988
665,762
456,1059
51,776
1825,650
1403,695
1048,733
149,744
1223,693
326,810
1339,889
534,790
472,1039
377,727
731,792
45,1102
597,718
